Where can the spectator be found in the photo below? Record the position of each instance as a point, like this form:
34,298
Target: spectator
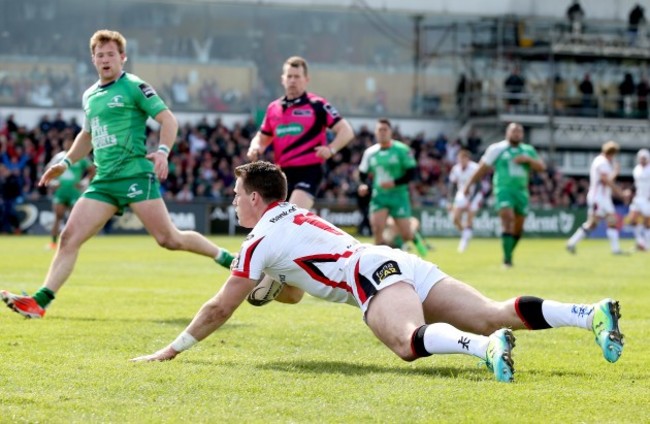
626,89
514,86
575,14
636,20
587,90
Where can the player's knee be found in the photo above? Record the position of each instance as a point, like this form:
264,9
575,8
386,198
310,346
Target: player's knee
405,352
169,241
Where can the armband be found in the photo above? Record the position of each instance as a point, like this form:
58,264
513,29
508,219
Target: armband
164,149
183,342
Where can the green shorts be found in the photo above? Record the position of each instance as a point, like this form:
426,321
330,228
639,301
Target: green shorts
66,196
513,199
122,193
398,204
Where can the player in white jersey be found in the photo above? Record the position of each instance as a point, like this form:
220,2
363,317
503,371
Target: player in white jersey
602,177
464,206
640,207
413,307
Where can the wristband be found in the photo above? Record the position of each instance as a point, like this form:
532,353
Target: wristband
332,150
183,342
66,162
164,149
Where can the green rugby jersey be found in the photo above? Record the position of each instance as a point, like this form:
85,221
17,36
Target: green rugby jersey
116,117
509,175
73,175
387,164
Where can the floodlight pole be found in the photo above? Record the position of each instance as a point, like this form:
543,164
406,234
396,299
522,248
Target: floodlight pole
417,60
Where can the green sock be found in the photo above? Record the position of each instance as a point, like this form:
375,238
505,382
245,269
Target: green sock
43,297
516,238
54,239
224,258
420,244
508,243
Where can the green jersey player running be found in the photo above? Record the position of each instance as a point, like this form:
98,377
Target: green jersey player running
68,188
512,161
391,165
116,111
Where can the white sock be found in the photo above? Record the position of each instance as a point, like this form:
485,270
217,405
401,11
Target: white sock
465,237
639,235
577,236
612,235
559,314
441,338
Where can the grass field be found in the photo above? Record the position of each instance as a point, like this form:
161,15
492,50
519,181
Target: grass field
312,362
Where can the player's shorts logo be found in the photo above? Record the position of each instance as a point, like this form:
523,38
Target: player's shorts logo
133,191
386,270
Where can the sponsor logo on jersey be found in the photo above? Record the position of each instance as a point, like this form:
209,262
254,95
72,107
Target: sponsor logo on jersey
116,102
289,129
282,214
147,90
133,191
331,110
302,112
386,270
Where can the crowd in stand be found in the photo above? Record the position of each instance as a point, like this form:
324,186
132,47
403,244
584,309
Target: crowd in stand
205,155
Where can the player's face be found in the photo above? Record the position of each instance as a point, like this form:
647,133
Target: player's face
643,160
383,133
243,205
515,134
294,81
108,61
463,160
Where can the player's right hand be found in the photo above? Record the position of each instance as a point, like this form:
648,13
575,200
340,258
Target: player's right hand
165,354
253,154
53,172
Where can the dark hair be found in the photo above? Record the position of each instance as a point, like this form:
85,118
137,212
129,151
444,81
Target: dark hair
385,121
264,178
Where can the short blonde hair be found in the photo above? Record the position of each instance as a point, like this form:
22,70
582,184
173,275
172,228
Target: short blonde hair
296,62
104,36
611,147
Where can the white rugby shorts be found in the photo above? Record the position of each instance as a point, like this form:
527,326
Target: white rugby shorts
641,205
373,268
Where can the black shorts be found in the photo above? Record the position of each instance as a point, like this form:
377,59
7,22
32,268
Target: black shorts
305,178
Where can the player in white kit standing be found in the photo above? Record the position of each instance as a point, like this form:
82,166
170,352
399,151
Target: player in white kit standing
602,186
640,207
464,206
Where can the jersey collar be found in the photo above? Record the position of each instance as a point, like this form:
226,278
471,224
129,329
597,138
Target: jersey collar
108,84
286,103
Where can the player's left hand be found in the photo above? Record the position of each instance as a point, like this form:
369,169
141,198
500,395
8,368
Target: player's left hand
323,152
165,354
387,184
522,159
53,172
160,166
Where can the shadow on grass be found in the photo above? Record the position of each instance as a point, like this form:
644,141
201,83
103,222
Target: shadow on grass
178,322
350,368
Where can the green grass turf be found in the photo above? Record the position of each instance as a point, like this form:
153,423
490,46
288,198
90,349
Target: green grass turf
312,362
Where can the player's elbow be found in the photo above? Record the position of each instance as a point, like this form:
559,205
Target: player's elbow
215,311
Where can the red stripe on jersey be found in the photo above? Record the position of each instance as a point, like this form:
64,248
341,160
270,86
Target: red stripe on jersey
248,256
520,315
362,294
310,265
